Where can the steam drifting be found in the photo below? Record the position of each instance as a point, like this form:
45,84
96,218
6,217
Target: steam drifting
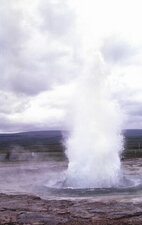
95,140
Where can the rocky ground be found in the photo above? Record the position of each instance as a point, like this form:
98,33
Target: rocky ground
24,209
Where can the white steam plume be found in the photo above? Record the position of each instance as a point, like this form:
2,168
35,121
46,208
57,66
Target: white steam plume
95,141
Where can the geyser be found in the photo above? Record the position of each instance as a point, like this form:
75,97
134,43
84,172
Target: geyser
95,140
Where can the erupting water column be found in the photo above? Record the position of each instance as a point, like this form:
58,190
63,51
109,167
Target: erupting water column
95,141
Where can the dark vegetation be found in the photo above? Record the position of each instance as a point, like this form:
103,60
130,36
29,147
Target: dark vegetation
52,142
42,145
35,140
133,143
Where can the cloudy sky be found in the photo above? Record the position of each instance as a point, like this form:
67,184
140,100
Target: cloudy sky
43,48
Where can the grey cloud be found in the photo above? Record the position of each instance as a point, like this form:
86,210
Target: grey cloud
134,108
42,75
33,59
56,17
117,50
7,125
24,68
10,38
11,103
134,122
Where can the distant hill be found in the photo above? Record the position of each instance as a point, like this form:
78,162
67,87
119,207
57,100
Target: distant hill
54,133
133,132
52,141
49,133
34,140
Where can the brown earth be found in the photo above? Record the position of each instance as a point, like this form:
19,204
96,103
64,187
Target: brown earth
24,209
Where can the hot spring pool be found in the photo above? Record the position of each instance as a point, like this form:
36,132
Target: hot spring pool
46,179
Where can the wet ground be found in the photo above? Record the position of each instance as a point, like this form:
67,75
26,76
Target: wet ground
45,179
55,204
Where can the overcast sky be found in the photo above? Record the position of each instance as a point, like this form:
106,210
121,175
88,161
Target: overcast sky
43,46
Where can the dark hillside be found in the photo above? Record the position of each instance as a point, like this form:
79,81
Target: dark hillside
52,142
133,132
36,140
